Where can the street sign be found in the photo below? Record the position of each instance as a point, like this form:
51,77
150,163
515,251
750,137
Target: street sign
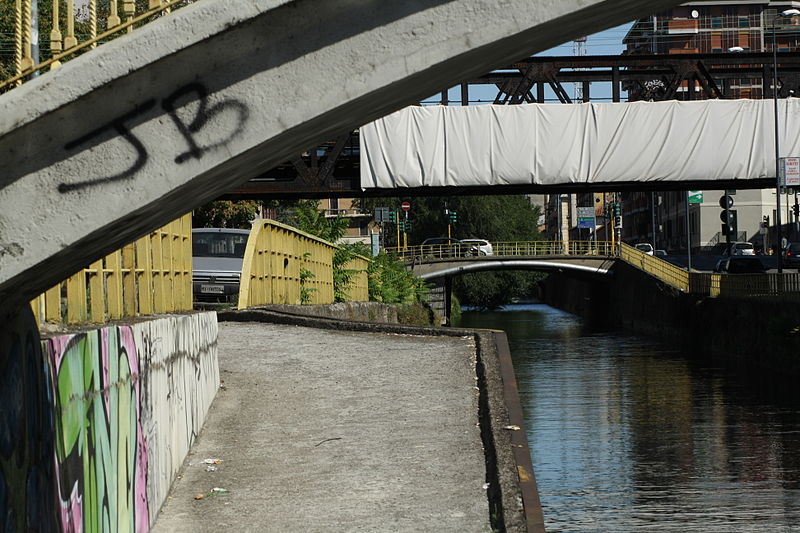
695,197
790,171
382,214
586,217
405,206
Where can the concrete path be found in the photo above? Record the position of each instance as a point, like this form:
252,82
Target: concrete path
322,430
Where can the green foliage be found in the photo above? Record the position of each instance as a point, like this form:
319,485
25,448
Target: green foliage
306,216
306,292
496,218
390,282
342,277
226,214
490,290
416,314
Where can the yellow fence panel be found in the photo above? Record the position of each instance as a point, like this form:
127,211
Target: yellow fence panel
283,265
127,282
663,270
358,290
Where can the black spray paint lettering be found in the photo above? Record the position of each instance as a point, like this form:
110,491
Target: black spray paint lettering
117,124
202,117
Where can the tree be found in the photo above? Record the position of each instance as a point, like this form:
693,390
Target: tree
226,214
496,218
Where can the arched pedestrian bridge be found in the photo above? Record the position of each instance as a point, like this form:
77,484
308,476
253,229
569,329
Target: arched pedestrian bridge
580,258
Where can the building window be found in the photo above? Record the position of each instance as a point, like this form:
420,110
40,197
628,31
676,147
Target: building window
334,203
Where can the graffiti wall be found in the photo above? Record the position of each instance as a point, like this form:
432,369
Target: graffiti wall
95,425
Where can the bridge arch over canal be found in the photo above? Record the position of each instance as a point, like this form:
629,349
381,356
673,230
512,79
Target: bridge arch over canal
120,140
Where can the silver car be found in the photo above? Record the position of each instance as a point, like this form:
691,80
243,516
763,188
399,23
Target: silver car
479,246
217,256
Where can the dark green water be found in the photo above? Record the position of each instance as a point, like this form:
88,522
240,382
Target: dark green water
629,435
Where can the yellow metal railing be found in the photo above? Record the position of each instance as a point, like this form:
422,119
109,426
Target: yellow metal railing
121,17
358,289
283,265
663,270
504,249
150,276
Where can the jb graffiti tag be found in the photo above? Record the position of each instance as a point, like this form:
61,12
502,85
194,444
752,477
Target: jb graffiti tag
203,118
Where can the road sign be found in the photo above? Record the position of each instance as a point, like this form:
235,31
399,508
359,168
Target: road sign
586,217
790,171
382,214
405,206
695,197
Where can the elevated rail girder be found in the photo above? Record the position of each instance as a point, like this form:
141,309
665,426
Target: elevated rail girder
332,169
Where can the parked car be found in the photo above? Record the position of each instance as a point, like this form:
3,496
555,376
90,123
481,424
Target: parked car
217,256
791,255
660,253
741,265
445,247
741,248
645,247
479,246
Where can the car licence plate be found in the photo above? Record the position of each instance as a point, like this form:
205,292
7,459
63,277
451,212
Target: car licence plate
212,289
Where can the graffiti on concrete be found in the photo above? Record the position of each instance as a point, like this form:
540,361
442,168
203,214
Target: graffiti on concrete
172,104
27,477
94,426
177,389
202,116
100,448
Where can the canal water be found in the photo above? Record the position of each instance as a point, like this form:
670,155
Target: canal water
627,434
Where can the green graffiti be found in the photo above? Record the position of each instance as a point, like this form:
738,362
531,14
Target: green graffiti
97,432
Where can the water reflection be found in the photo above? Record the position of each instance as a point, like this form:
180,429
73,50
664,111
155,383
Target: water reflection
628,435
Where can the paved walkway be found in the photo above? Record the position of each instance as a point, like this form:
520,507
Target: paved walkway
322,430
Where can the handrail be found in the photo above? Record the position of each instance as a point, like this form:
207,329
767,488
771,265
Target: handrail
152,275
24,64
503,249
283,265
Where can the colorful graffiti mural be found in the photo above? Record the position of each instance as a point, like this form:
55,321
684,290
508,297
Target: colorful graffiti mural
94,426
27,428
100,449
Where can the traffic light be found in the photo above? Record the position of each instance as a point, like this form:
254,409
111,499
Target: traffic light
729,222
453,217
393,217
618,210
728,216
405,225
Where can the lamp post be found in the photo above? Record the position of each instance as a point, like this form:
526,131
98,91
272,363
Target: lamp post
779,236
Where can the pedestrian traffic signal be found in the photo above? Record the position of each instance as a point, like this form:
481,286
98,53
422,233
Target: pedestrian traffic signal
729,222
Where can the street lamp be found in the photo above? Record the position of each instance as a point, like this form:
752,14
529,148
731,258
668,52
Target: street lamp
786,13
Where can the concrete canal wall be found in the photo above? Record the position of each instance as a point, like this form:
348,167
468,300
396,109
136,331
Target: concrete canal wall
758,333
95,424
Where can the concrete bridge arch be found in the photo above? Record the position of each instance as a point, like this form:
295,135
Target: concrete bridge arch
124,138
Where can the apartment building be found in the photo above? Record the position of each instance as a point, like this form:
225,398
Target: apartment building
714,27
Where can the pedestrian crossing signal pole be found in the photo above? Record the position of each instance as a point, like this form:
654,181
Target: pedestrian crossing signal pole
405,230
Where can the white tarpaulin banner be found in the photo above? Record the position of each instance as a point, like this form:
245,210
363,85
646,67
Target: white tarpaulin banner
552,144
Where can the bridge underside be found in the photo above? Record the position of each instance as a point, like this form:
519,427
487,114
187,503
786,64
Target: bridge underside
577,265
128,136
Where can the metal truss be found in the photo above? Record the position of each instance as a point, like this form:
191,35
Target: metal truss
332,170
